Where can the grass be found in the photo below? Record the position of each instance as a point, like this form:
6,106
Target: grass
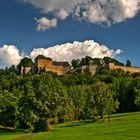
9,134
124,126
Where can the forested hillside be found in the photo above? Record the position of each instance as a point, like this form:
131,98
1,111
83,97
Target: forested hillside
36,101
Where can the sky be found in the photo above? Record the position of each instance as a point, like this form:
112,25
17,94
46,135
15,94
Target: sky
67,29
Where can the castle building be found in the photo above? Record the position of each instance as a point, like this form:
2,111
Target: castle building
46,64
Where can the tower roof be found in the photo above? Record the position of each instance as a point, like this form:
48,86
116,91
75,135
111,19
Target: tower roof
42,57
66,64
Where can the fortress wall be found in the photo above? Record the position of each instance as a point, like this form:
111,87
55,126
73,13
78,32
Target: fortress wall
112,66
83,69
25,70
41,63
47,64
66,69
90,69
57,68
59,72
93,69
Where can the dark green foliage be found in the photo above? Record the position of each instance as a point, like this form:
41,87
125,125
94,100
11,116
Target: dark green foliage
8,108
26,62
128,63
75,63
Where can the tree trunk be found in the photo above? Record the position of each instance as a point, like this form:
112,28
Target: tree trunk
108,117
102,114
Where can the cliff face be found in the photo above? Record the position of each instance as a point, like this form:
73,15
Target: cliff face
112,66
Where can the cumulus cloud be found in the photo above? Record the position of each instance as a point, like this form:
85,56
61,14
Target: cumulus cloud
44,23
117,52
94,11
10,55
62,14
68,51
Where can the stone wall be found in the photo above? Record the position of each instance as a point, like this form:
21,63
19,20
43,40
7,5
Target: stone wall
48,66
112,66
42,63
66,69
55,69
25,70
87,69
94,69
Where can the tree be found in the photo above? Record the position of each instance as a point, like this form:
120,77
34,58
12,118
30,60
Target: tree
77,94
75,63
103,99
136,86
8,109
86,61
27,116
128,63
25,62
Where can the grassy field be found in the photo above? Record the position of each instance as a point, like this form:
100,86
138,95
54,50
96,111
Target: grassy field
9,134
122,127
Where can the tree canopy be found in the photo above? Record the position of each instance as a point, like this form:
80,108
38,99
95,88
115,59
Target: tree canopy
26,62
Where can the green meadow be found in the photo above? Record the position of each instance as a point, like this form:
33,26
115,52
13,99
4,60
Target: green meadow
125,126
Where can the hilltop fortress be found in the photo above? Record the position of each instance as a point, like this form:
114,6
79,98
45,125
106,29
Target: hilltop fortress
46,64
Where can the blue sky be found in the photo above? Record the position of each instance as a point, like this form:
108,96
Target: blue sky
19,21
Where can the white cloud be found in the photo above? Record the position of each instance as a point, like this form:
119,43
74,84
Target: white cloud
68,51
110,11
118,51
62,14
94,11
10,55
55,5
44,23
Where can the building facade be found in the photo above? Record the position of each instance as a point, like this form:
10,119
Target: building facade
46,64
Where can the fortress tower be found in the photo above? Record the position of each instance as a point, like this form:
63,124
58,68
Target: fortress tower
46,64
